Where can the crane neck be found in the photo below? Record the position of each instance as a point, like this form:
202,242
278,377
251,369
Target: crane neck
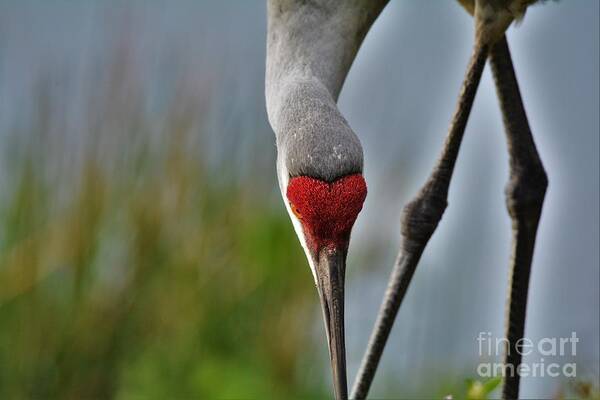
314,43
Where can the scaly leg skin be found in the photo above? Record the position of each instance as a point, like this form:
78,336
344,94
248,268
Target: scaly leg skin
524,199
420,218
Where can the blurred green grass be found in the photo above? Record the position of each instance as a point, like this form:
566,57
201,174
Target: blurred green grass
128,270
165,286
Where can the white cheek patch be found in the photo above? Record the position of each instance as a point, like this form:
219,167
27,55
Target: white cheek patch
283,183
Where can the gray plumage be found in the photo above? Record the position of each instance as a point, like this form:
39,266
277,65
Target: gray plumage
310,48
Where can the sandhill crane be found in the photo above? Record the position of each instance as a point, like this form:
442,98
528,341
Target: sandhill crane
310,48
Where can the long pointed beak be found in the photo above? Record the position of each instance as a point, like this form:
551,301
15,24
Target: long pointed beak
331,267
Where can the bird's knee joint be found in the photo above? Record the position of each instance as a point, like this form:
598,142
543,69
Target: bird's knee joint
526,191
421,216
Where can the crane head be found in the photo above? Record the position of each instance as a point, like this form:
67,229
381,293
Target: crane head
319,168
323,214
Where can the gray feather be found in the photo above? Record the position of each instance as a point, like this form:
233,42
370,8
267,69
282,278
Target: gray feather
310,48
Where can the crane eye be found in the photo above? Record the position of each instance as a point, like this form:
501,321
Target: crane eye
295,211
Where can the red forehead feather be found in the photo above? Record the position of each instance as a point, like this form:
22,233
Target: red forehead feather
327,210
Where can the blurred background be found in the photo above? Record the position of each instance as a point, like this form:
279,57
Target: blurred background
144,248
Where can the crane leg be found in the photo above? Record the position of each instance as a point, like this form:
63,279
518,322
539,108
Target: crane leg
525,194
420,218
